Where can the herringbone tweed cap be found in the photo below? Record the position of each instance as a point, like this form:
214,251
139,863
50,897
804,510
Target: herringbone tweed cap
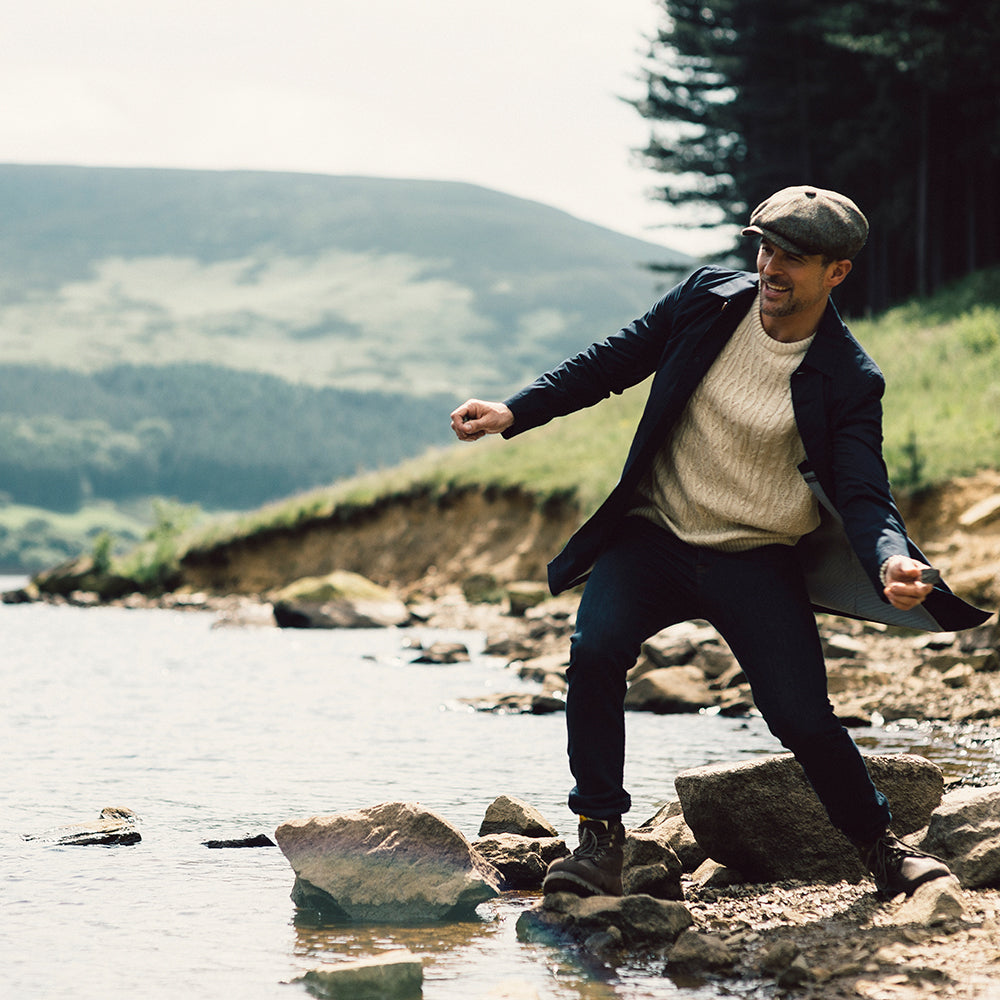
809,220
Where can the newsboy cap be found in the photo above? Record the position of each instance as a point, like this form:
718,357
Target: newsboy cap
808,220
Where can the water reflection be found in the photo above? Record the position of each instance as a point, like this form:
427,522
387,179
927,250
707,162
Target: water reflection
966,754
473,959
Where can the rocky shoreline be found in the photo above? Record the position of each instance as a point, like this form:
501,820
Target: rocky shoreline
812,937
808,937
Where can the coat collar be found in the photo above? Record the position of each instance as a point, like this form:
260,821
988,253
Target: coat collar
824,353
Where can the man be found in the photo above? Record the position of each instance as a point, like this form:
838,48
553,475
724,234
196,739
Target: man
754,492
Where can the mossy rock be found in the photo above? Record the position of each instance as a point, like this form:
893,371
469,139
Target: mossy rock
340,585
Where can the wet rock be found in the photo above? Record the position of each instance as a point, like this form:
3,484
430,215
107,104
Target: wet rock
965,831
671,826
260,840
608,945
650,866
519,703
521,861
246,614
338,600
443,652
541,668
509,815
762,816
715,660
682,841
695,950
524,595
678,644
20,595
116,826
396,975
670,690
642,921
395,862
511,645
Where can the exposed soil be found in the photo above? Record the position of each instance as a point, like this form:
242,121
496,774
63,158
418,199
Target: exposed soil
430,542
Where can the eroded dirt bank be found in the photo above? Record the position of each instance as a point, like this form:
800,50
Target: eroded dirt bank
421,541
429,541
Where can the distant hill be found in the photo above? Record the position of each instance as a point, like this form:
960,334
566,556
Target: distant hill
408,287
229,338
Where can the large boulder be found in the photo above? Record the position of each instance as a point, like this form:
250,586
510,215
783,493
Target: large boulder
965,832
391,863
762,817
338,600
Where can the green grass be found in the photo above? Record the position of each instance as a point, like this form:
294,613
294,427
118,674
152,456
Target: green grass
942,363
32,538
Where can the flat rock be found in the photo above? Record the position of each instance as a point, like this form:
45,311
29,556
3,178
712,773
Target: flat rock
251,840
338,600
116,826
396,975
639,921
391,863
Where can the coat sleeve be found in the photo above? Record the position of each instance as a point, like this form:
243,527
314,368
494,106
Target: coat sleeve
863,495
610,366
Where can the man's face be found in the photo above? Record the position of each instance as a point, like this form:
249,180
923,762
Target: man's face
794,283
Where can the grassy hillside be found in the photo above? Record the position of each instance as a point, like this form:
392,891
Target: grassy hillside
942,364
358,283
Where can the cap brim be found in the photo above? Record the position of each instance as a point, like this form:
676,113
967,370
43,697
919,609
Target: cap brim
779,241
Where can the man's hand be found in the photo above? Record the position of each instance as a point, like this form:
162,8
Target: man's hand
903,588
474,418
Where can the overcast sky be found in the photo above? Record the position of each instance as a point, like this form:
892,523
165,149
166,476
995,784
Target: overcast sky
523,96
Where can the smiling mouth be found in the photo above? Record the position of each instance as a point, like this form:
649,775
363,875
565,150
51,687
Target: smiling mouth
776,289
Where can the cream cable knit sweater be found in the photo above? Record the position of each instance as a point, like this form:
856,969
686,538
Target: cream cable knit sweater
727,478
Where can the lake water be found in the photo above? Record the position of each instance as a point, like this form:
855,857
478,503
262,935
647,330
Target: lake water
219,733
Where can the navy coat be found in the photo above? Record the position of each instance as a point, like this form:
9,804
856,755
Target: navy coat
836,396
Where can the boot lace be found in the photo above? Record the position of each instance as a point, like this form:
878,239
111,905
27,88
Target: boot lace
593,845
888,855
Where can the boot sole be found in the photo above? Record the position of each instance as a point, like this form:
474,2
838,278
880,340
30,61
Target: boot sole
568,882
889,892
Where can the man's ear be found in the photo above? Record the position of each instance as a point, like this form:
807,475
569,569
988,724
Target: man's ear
837,271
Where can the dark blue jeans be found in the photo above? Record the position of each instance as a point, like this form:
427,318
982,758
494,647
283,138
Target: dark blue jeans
648,579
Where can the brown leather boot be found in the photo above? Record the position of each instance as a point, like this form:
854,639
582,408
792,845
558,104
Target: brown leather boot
896,867
595,867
